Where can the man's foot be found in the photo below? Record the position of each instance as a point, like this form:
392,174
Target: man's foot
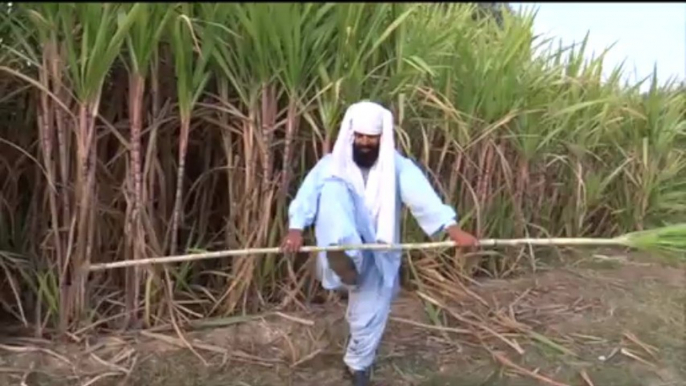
359,377
343,266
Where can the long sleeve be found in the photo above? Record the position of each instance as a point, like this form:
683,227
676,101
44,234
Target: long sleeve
422,200
303,209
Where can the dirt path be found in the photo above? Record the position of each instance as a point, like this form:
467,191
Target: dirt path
613,324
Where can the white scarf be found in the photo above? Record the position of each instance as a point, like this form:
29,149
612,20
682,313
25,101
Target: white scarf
380,192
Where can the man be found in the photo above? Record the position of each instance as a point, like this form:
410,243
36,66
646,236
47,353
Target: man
353,196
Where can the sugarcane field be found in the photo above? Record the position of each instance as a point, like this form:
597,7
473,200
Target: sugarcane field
405,194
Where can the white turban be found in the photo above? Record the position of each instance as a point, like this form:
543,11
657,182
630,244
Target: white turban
380,192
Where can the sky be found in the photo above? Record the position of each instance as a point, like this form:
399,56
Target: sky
644,34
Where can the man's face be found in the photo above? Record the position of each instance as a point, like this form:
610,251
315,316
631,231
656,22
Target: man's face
365,149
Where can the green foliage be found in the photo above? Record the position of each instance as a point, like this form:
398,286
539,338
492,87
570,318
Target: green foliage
522,144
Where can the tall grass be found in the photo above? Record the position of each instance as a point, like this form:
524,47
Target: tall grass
130,130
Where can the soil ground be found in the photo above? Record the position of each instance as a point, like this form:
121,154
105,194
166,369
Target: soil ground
601,321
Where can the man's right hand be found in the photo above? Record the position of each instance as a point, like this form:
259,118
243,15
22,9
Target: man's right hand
293,241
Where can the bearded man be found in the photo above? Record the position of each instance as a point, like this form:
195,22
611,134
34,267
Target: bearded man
353,196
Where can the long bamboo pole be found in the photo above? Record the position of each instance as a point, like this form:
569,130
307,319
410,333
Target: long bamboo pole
617,241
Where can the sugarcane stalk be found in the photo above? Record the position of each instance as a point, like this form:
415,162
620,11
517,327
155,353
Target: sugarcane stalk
670,238
617,241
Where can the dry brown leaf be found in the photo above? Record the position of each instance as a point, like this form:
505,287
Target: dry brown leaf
586,378
305,322
651,350
506,362
631,355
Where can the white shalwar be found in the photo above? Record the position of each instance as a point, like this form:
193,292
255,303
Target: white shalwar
340,217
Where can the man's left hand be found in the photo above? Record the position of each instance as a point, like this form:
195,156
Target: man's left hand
460,237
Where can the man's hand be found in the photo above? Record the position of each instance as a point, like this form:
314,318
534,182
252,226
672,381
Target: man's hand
293,241
460,237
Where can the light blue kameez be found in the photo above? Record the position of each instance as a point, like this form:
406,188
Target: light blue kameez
340,217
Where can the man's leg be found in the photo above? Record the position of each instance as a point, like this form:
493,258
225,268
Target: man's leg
368,309
369,301
336,225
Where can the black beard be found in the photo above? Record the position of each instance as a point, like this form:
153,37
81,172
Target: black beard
365,156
